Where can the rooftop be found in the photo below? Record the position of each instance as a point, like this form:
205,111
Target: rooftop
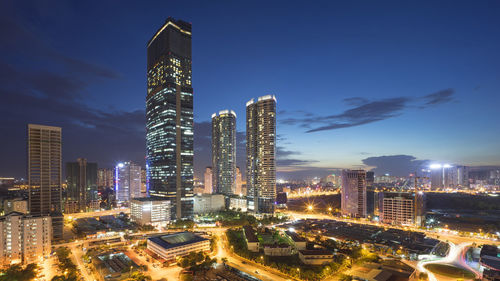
316,252
176,239
250,234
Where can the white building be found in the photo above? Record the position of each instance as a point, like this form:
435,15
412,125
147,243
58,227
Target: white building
251,238
152,211
353,201
315,257
24,239
171,246
206,203
238,202
128,182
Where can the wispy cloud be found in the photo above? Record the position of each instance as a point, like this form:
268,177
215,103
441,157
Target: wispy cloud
364,111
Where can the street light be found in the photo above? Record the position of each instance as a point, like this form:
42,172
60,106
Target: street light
310,207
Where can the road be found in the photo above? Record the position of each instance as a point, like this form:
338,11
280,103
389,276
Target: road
454,257
264,273
97,213
77,256
444,236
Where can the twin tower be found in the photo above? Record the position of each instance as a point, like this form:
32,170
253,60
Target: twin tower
260,153
169,129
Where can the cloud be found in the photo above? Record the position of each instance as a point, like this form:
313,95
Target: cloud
440,97
363,112
397,165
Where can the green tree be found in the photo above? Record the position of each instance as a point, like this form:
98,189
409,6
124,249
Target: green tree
19,273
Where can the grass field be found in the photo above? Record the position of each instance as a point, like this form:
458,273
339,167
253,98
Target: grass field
449,271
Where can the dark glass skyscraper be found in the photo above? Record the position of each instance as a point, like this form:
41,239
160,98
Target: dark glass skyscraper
81,191
224,152
261,152
169,117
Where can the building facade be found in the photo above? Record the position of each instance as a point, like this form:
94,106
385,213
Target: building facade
398,209
45,174
224,152
81,190
128,182
15,205
239,183
150,211
353,200
24,238
206,203
208,187
169,116
261,152
105,178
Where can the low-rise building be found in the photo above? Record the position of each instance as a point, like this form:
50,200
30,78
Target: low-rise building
171,246
238,203
15,205
278,250
298,241
24,238
150,210
206,203
251,238
316,256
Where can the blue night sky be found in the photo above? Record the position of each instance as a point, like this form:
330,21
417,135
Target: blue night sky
386,84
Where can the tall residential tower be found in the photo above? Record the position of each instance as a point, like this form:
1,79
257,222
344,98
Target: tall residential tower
44,174
353,201
261,151
224,152
81,191
169,117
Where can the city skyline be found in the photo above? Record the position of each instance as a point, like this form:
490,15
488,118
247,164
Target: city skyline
358,97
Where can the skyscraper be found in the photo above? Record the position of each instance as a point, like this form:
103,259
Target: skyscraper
81,191
208,180
238,190
105,178
224,152
128,182
261,149
44,174
169,117
353,201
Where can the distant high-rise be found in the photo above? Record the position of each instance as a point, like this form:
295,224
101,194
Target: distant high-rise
353,201
128,182
208,180
238,189
261,151
81,191
224,152
105,178
44,174
169,117
448,176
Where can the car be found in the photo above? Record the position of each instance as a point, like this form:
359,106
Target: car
256,272
243,262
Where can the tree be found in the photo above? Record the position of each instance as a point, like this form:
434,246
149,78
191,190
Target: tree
18,273
139,276
224,260
345,277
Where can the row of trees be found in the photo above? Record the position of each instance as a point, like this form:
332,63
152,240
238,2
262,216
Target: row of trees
19,273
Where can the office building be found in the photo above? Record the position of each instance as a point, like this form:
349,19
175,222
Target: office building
261,152
81,190
44,175
171,246
206,203
398,208
144,180
128,182
224,152
150,211
18,205
24,238
208,180
353,200
370,179
169,116
238,202
238,190
105,178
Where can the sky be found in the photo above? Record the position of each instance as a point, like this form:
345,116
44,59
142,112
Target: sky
384,85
